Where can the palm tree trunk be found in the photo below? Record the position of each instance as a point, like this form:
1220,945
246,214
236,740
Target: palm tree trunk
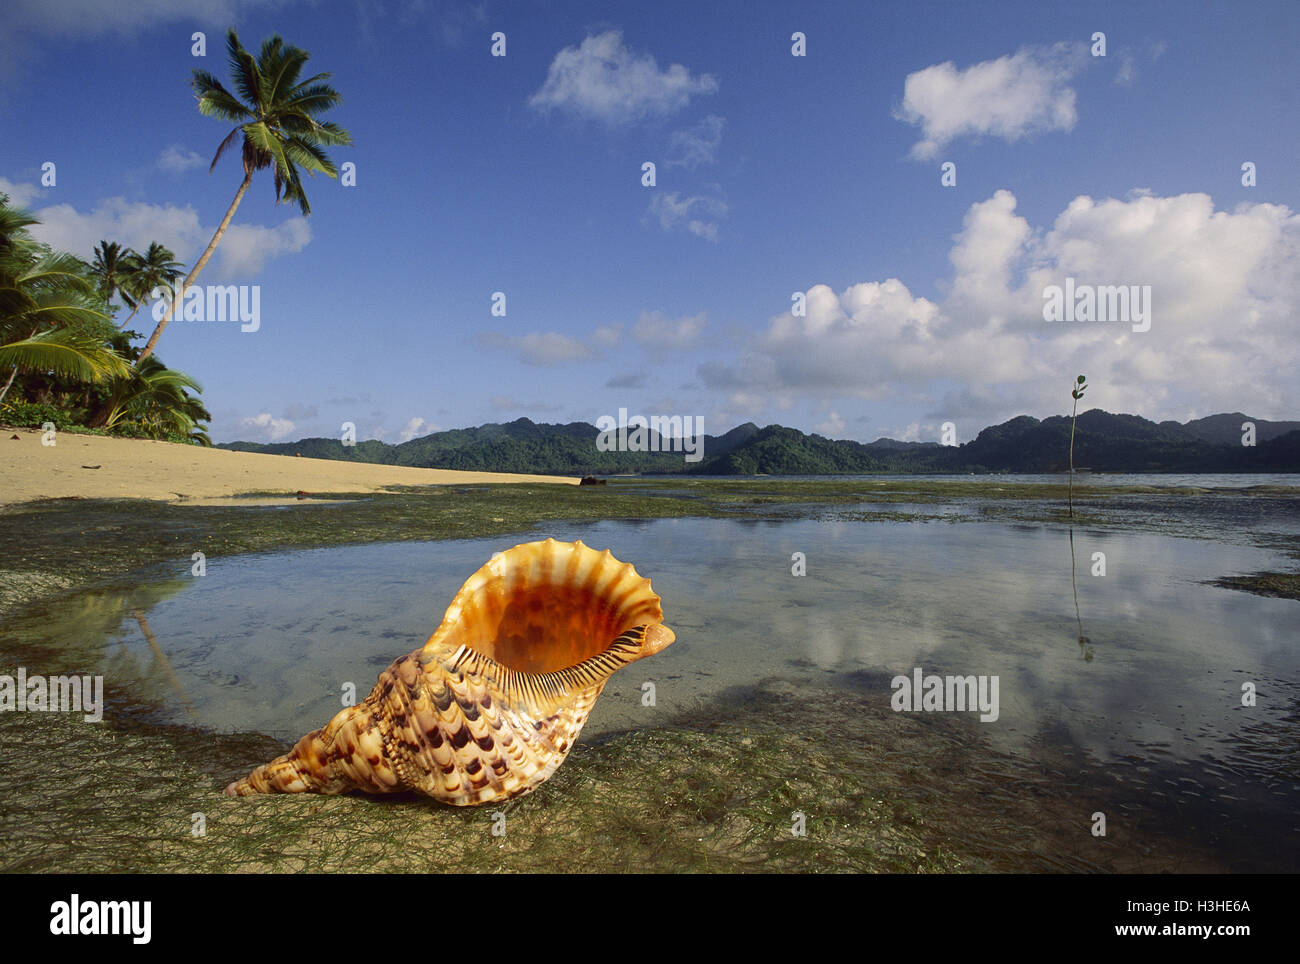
5,391
198,266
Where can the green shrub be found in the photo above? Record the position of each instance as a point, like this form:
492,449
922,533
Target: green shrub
34,415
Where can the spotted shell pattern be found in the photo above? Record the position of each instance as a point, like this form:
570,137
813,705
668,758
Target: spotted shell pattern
491,705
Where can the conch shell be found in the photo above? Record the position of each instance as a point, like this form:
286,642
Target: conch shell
492,703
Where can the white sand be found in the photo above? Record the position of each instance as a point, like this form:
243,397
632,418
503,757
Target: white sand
140,469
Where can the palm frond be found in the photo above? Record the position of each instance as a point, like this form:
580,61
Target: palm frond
221,148
244,70
281,85
64,352
309,156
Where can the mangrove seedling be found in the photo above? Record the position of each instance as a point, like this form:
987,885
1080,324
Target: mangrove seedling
1080,384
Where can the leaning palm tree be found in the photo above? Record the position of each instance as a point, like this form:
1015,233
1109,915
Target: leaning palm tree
277,121
147,272
47,309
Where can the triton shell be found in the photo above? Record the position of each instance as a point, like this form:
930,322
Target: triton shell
490,706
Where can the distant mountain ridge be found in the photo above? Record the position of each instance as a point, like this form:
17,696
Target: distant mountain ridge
1103,442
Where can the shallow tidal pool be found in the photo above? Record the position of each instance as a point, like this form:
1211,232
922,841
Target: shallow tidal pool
1150,706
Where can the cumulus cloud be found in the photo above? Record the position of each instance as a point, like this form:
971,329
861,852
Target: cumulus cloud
243,250
664,335
1010,97
416,427
914,432
1224,290
131,223
20,195
539,348
604,80
245,247
694,213
832,426
264,427
177,159
693,146
607,336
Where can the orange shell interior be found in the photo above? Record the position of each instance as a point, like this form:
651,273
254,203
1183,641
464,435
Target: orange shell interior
544,606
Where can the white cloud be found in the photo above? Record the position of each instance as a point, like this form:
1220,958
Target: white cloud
1010,97
913,432
832,427
94,17
416,427
693,213
693,146
539,348
607,336
177,159
131,223
663,335
1127,71
20,195
266,428
602,79
1224,290
244,247
242,251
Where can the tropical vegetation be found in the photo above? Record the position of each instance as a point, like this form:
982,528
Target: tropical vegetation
63,357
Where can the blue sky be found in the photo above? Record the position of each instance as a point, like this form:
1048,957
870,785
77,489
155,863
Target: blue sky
775,174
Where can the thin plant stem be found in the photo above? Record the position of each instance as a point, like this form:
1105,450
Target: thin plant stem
1069,490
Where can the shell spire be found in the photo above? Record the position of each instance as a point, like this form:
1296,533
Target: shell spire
491,705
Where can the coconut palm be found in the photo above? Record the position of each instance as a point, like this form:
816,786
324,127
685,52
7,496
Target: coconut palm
154,269
276,122
111,268
48,310
153,397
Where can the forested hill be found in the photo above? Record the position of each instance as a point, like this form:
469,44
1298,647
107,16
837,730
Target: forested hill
1103,442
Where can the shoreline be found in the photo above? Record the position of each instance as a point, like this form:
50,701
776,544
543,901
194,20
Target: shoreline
102,467
60,544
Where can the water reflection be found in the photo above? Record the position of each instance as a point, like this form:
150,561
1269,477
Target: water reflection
266,643
1085,644
163,664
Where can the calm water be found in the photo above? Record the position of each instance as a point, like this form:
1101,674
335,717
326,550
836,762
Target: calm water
1154,479
266,642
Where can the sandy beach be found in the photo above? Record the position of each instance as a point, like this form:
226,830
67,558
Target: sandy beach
96,467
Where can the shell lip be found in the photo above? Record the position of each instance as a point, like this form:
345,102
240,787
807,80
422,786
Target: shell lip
530,567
